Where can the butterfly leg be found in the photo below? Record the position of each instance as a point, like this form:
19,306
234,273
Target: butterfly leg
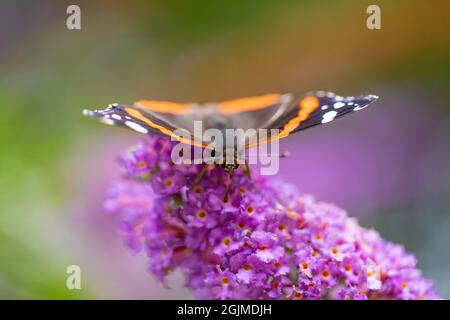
200,175
247,170
227,186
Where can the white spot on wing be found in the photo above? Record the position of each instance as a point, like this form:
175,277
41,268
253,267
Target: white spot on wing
107,121
325,107
329,116
370,99
116,116
338,105
136,127
358,107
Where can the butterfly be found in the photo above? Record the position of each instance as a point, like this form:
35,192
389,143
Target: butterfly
282,112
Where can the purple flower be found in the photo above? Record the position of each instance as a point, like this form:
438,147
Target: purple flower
134,201
168,182
139,161
265,242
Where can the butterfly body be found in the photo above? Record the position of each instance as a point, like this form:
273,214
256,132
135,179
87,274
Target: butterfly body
263,119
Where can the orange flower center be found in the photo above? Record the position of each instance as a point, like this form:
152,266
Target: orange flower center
298,295
226,241
325,274
201,214
168,182
198,190
142,165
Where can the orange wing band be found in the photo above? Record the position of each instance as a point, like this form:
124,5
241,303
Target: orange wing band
306,107
136,114
164,106
248,104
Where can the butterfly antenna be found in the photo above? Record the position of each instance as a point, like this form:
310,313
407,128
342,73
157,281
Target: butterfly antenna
283,155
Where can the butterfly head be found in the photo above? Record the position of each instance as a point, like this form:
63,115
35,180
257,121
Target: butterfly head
229,167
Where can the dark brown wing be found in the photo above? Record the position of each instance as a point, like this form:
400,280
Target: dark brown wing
314,109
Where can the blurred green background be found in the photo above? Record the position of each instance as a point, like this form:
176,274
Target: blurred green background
55,165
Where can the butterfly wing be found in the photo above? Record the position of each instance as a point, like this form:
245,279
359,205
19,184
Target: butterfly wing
141,121
178,115
253,112
271,111
244,113
313,109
